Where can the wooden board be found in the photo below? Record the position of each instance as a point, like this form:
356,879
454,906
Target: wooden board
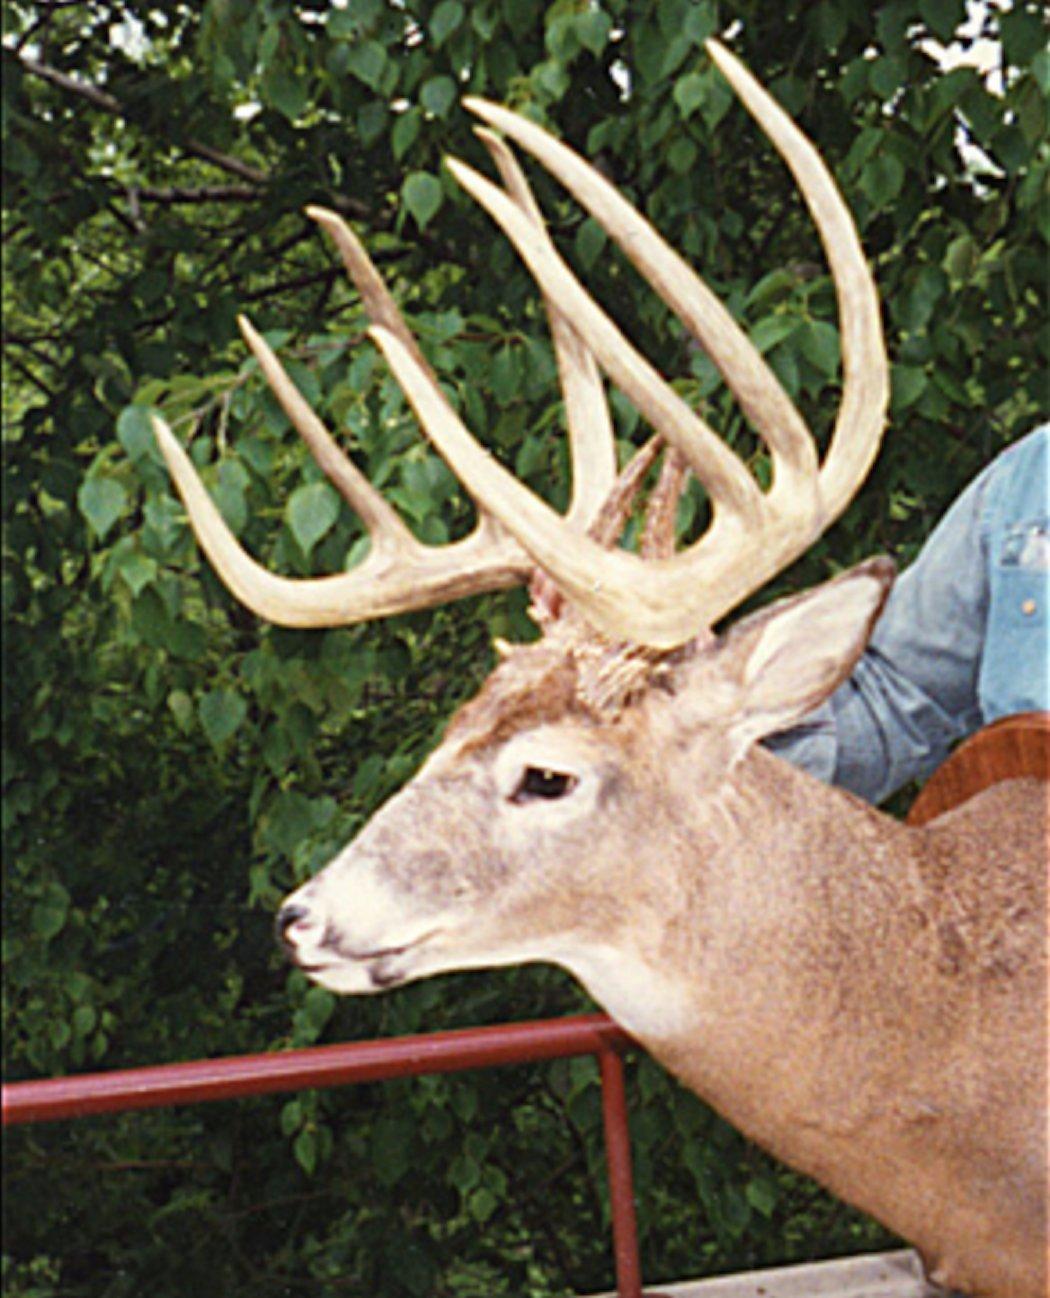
1007,749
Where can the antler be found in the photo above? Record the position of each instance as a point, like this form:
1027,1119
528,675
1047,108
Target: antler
656,599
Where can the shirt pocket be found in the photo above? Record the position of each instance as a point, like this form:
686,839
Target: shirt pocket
1021,581
1014,668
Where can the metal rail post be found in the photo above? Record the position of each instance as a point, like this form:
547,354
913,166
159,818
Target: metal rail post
621,1181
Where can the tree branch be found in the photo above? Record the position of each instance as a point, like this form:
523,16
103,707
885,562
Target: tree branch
110,104
200,194
33,346
195,194
303,281
27,373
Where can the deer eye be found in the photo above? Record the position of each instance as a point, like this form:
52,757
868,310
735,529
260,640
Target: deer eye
541,782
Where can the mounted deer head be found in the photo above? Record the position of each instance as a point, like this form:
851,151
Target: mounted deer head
786,950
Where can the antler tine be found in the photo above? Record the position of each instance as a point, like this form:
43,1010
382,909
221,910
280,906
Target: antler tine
616,508
380,521
727,480
745,371
658,534
546,602
866,383
379,305
571,558
384,583
591,440
399,572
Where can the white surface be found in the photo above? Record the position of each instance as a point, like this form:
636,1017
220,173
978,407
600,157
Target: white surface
872,1275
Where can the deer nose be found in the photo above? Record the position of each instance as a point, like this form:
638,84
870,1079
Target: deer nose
287,917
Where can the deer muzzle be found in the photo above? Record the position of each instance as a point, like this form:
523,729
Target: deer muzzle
353,933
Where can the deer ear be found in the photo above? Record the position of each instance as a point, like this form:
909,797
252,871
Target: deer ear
787,659
775,666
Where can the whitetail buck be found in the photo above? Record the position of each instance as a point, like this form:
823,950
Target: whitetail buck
865,1000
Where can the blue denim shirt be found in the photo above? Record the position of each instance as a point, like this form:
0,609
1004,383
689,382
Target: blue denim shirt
961,642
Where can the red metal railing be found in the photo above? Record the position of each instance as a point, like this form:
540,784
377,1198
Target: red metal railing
368,1061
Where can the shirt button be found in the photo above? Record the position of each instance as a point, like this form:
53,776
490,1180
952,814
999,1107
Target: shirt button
1028,607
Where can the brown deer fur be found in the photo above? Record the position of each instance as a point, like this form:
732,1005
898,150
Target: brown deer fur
865,1000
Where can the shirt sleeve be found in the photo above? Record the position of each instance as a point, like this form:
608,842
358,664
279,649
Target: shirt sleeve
915,689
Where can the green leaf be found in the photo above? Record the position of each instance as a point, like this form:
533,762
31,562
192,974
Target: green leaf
292,817
305,1150
318,1007
681,155
445,19
291,1117
589,242
882,179
371,122
222,712
593,29
762,1195
650,51
150,619
918,304
830,23
438,95
481,1204
101,501
484,20
773,329
506,374
135,433
229,495
689,92
887,75
367,62
429,479
909,383
181,707
392,1139
464,1173
551,79
48,916
136,570
701,21
404,134
1023,34
269,42
777,283
961,259
310,513
84,1019
422,195
341,25
819,343
560,38
942,17
286,90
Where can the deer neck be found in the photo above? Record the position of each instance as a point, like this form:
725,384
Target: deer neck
766,958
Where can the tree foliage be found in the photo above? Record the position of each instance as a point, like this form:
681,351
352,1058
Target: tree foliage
171,767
